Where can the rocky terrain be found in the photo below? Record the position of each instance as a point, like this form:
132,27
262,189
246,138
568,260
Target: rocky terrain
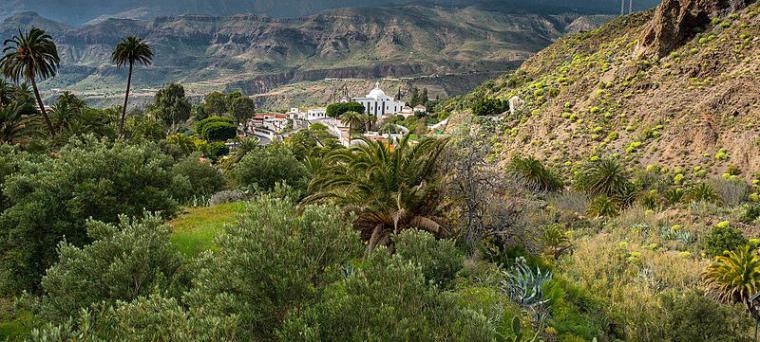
259,54
673,86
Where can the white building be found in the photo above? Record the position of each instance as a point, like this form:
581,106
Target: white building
378,104
312,114
316,114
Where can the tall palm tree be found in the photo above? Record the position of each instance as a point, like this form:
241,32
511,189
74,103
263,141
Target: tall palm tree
389,187
30,56
352,120
129,51
735,276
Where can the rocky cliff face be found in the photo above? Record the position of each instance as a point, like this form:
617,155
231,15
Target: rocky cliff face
677,21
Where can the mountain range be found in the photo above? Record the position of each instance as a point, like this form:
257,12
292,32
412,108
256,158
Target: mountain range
456,48
78,12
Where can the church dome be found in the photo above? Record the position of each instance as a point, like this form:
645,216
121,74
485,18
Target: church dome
377,93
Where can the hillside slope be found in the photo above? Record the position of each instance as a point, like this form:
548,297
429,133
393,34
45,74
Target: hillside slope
597,94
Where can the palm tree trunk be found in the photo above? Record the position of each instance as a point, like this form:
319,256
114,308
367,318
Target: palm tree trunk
126,99
49,124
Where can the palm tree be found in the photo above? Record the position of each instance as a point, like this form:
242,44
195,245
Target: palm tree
29,56
6,92
129,51
352,120
12,122
67,109
735,276
534,174
389,187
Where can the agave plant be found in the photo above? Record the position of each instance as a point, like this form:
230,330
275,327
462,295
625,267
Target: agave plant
525,286
389,187
534,175
735,276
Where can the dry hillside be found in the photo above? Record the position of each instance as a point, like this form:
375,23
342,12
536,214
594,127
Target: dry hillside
604,92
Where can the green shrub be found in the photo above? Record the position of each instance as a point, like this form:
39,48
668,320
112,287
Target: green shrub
723,237
215,150
264,167
155,318
439,259
602,206
750,213
534,175
690,316
53,197
386,299
216,128
489,106
124,262
200,178
179,145
335,110
273,260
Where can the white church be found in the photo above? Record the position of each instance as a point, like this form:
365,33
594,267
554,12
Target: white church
378,104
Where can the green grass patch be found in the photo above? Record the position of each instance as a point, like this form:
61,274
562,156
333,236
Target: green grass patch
195,230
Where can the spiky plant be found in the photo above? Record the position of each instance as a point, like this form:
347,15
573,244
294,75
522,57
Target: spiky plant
30,56
389,187
701,192
602,206
735,276
556,239
605,177
524,286
534,175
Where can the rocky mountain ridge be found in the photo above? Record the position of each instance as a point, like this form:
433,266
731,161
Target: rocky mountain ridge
258,54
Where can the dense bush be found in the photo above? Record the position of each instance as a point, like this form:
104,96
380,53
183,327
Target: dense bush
196,178
155,318
262,168
125,261
215,150
335,110
216,128
489,106
53,197
439,259
179,145
386,299
690,316
723,237
272,260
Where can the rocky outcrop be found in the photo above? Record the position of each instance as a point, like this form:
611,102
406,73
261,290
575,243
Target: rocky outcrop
677,21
